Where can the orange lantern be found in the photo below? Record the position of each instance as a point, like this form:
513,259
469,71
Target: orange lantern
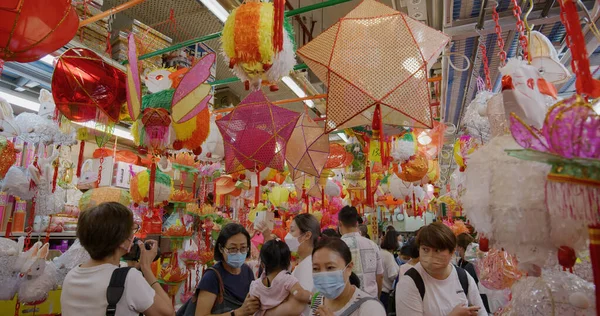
413,169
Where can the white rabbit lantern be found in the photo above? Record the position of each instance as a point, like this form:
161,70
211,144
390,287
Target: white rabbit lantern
9,254
41,277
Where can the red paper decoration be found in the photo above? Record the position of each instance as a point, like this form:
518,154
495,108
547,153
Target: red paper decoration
31,29
84,85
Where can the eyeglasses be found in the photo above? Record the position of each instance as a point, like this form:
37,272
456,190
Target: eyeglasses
136,228
233,251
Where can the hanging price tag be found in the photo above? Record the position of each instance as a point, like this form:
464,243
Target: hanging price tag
374,151
254,180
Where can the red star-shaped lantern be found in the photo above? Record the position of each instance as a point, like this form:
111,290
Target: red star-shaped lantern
255,134
373,56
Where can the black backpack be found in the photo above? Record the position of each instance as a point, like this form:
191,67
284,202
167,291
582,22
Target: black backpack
414,274
115,289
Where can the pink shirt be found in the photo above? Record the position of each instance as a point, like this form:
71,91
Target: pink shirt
274,295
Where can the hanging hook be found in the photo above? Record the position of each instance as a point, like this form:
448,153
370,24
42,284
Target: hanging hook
589,21
528,28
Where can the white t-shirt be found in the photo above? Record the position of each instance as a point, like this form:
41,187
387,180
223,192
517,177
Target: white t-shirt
84,292
367,261
367,308
405,267
390,270
303,272
441,296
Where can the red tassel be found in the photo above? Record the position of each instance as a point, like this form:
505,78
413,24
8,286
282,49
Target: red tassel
55,176
279,7
152,180
80,158
257,189
369,193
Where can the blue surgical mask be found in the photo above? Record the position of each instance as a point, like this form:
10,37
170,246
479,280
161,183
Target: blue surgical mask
331,284
236,260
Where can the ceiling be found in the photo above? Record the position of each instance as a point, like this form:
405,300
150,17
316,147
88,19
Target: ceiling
457,18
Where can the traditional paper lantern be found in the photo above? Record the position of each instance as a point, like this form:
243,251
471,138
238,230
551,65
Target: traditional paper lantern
413,169
255,134
375,58
258,43
139,187
183,112
87,88
308,147
404,147
97,196
400,189
32,29
278,196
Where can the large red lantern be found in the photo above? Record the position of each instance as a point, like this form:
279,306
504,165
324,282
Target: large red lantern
85,87
31,29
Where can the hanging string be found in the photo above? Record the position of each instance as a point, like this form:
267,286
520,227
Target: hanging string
499,38
521,29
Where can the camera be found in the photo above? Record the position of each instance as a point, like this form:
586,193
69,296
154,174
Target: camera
134,253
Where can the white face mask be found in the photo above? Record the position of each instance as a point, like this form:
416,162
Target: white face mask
292,242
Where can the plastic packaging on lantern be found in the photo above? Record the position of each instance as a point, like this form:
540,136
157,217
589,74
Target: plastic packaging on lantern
555,293
475,119
498,270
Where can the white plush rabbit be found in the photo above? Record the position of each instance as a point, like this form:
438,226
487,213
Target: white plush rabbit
41,278
8,127
47,203
9,252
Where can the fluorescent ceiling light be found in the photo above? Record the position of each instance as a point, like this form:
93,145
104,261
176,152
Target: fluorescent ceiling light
21,102
344,137
297,90
35,107
48,60
217,9
119,131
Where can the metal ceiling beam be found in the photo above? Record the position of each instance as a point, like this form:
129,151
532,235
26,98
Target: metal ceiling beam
507,23
308,8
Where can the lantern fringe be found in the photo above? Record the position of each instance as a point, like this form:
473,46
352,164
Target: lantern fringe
195,131
573,200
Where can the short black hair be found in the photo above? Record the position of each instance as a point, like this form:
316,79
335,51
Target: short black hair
348,216
308,223
227,232
275,255
102,229
354,280
412,248
330,232
363,229
334,244
390,241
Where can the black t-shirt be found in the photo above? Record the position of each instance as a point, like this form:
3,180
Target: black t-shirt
236,285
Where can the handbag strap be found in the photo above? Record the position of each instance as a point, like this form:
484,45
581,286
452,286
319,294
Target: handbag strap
220,295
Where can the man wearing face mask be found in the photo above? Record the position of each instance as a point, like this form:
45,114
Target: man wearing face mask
368,265
435,286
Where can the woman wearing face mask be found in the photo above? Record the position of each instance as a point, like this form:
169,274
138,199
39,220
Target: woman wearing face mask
106,232
336,296
223,290
434,286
